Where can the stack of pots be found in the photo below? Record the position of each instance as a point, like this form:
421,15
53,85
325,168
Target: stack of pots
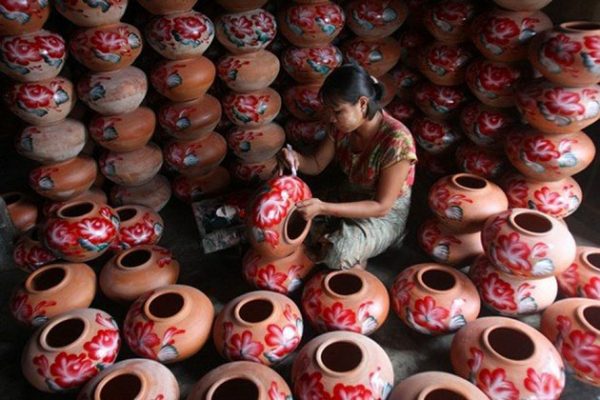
182,35
311,27
250,104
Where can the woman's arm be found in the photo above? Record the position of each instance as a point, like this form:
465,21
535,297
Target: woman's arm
315,163
390,183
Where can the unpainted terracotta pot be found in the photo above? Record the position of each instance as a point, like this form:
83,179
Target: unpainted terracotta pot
445,64
435,136
51,143
556,198
30,253
84,340
436,385
183,80
494,83
130,379
53,290
31,57
196,157
177,317
568,54
502,35
523,5
124,132
194,188
22,210
303,101
510,295
35,14
249,71
377,56
231,379
434,299
64,180
252,109
114,92
354,300
547,157
311,25
449,20
88,14
554,109
336,364
106,47
137,270
190,120
447,247
463,202
250,328
133,168
254,172
312,64
375,19
43,102
528,243
259,30
154,194
486,126
582,278
241,5
139,225
488,163
503,356
440,102
94,194
256,144
161,7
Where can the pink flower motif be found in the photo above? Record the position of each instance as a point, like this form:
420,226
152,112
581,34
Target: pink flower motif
371,11
517,192
301,16
593,43
563,102
456,12
496,78
104,346
108,42
60,235
551,203
21,51
264,21
428,315
34,96
20,308
241,347
512,253
592,288
275,394
338,318
310,387
240,26
269,278
430,131
474,363
561,49
539,149
72,370
294,187
170,118
497,293
142,340
250,107
311,302
161,30
137,234
349,392
581,352
495,385
96,230
500,30
491,123
544,386
563,325
284,340
191,27
52,45
270,210
568,281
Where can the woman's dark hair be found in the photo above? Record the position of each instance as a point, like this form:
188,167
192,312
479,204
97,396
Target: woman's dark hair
348,83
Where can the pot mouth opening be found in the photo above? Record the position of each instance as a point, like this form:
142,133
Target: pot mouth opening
11,198
65,332
470,182
581,26
235,388
533,222
126,386
444,394
126,213
438,279
341,356
510,343
594,260
135,258
47,278
166,305
344,284
74,210
591,315
295,226
255,311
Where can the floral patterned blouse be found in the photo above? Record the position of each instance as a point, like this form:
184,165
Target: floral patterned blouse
391,144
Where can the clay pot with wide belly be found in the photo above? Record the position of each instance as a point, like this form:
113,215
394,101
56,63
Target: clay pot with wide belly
22,211
377,57
252,109
303,101
155,194
449,20
435,136
30,253
376,18
124,132
445,64
190,120
183,80
64,180
88,14
248,72
311,65
133,168
484,162
196,157
33,13
256,144
447,247
139,225
311,25
582,278
198,187
247,31
486,126
440,102
52,143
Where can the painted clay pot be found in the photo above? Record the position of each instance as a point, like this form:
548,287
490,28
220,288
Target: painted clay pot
484,162
445,64
231,379
337,364
124,132
311,25
434,136
81,230
161,7
22,211
447,247
194,188
260,326
303,101
138,225
506,357
155,194
183,80
484,125
406,81
94,194
32,57
29,252
275,228
131,379
41,103
196,157
65,180
133,168
555,109
412,40
256,144
377,56
582,278
114,92
70,349
252,109
375,19
51,143
283,275
180,36
504,36
178,318
311,65
107,47
440,102
247,31
305,133
449,20
463,202
89,14
403,111
388,85
528,243
436,385
22,16
508,294
248,72
251,173
241,5
352,300
133,272
568,54
434,299
190,120
547,157
53,290
523,5
494,83
556,198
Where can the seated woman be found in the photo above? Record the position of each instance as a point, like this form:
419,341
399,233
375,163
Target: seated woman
377,154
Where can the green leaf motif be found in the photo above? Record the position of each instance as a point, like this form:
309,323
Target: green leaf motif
174,80
134,40
110,133
183,123
97,92
60,97
108,57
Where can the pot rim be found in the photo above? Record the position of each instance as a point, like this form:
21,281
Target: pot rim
521,211
170,289
125,253
67,275
59,212
113,374
486,343
579,312
42,339
346,339
262,297
439,267
454,179
584,256
571,26
246,375
353,272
